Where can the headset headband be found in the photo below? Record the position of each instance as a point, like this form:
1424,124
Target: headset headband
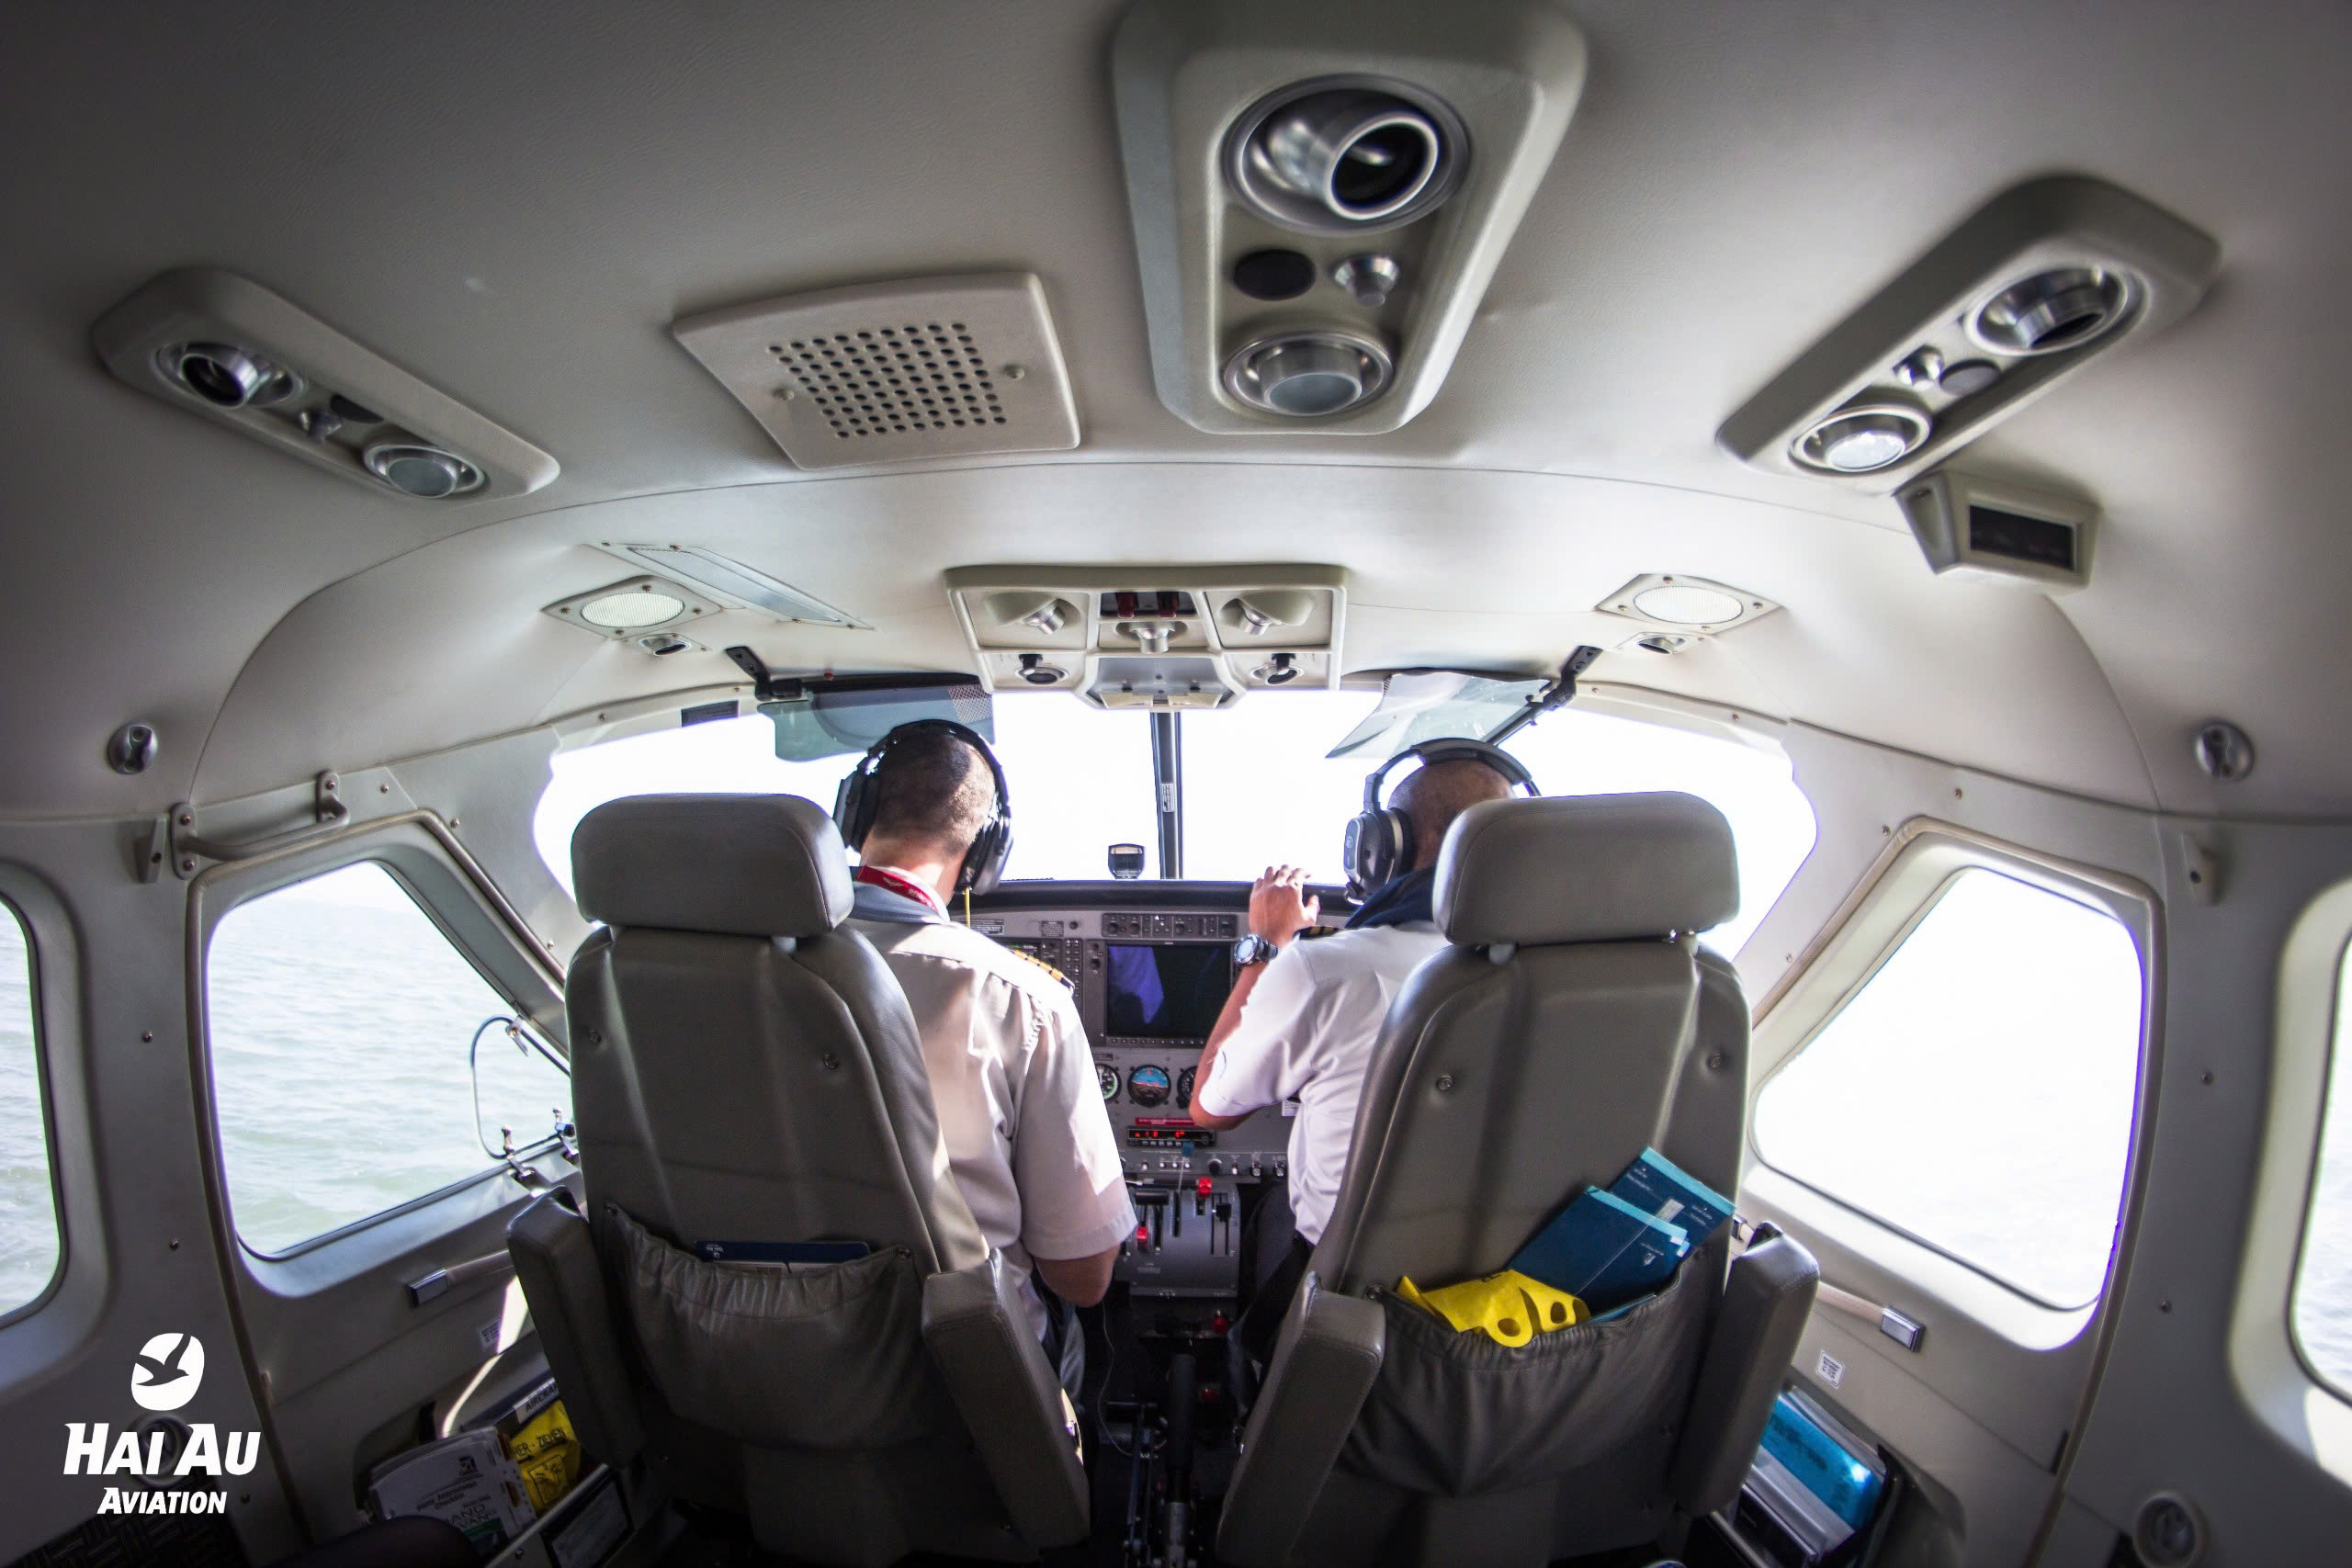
859,802
1460,749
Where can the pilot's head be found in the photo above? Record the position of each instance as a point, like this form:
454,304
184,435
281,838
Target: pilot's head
1432,796
932,795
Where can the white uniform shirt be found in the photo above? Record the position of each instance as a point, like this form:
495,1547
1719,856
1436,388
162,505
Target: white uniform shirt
1013,1081
1307,1031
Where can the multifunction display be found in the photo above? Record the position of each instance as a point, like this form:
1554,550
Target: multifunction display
1166,991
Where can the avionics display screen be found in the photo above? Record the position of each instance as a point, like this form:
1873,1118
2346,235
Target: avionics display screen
1166,993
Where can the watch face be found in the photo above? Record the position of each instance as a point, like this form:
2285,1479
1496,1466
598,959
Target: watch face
1251,949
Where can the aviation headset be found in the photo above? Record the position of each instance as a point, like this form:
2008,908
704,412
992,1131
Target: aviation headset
1380,838
860,798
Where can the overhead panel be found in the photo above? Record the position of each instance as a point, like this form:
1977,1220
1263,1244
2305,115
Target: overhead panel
223,348
893,372
1142,636
2028,289
1321,192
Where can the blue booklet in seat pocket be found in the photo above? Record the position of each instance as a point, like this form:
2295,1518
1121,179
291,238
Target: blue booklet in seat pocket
1603,1249
1655,1185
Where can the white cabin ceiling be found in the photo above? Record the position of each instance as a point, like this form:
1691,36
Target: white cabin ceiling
513,202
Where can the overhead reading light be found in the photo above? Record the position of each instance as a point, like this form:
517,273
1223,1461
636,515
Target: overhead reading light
745,585
1862,438
425,472
1309,374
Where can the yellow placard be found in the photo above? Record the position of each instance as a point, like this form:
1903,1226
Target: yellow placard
547,1454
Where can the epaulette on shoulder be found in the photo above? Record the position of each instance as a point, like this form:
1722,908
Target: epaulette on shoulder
1065,980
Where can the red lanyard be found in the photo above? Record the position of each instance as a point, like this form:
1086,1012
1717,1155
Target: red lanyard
906,886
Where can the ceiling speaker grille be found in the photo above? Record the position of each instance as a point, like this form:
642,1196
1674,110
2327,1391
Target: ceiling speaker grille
891,381
893,372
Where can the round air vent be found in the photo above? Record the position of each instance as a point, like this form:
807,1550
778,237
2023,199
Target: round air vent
2046,311
425,472
1305,375
1863,437
228,377
1341,155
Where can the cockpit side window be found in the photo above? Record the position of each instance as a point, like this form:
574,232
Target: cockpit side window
2322,1310
1978,1091
29,1246
340,1019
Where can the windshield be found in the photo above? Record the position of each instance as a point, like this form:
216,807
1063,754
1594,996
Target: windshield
1258,788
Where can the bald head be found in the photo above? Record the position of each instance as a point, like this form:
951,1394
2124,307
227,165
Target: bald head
1433,796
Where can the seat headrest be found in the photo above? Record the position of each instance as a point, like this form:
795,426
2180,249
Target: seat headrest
734,865
1586,868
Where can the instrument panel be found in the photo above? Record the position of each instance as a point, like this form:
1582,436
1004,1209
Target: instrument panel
1150,984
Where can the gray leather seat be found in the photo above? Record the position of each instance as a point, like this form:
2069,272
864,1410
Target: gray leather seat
1572,1021
745,1073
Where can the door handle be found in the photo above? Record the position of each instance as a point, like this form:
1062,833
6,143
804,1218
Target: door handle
438,1282
1905,1331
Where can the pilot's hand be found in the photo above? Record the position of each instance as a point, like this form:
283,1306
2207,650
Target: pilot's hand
1279,908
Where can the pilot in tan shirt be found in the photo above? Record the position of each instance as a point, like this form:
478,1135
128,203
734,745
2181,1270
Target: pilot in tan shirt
1011,1071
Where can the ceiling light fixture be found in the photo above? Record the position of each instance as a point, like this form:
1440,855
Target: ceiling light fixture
1684,608
1863,437
628,612
1688,605
427,472
1309,374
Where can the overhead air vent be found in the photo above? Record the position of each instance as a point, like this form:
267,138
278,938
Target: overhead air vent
2025,291
228,350
1320,194
1168,636
893,372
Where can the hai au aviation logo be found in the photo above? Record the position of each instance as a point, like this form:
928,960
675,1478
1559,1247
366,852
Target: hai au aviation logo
169,1370
164,1455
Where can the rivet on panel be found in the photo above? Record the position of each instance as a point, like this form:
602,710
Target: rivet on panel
148,1035
1444,1084
831,1061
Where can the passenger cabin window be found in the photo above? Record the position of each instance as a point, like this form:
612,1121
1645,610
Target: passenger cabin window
340,1019
2323,1314
28,1240
1978,1090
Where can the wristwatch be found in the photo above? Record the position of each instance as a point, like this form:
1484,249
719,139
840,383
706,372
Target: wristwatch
1254,949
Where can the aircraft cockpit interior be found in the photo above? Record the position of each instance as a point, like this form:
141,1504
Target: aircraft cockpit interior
1175,784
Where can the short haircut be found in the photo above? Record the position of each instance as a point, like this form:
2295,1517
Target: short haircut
935,788
1433,795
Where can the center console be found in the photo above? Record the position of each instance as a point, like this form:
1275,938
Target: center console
1150,972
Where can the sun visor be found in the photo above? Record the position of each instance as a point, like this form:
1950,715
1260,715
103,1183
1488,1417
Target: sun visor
1435,705
834,717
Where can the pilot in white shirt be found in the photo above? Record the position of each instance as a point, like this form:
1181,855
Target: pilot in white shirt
1304,1016
1011,1071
